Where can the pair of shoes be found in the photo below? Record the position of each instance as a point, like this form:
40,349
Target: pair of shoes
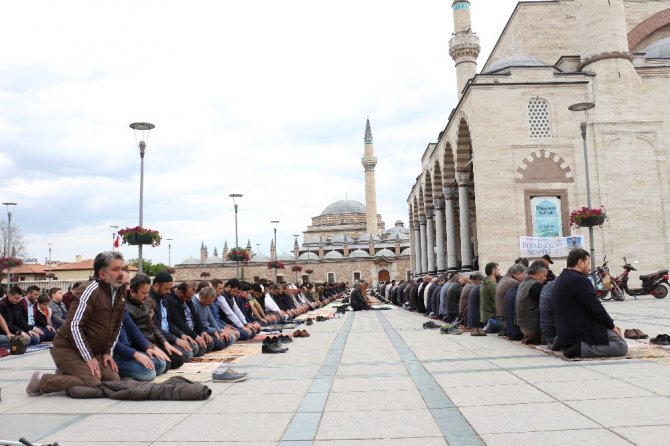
452,330
662,339
430,324
33,387
228,376
502,332
574,351
321,318
634,333
477,332
309,322
272,345
284,339
301,334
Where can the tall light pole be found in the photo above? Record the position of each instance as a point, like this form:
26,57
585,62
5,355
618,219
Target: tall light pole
10,206
169,240
114,228
585,107
258,248
50,245
141,127
237,245
275,222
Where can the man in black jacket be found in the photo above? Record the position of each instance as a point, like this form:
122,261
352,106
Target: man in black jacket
160,291
12,310
358,299
582,323
185,322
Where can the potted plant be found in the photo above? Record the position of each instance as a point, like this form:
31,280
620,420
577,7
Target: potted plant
238,254
9,262
275,264
140,236
205,274
587,217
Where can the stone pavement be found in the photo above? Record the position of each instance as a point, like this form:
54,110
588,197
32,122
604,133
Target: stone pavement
378,378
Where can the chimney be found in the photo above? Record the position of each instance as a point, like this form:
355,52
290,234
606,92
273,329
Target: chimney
77,258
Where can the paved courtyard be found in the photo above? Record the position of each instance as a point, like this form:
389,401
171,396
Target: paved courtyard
378,378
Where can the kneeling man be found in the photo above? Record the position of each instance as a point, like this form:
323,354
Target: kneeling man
582,323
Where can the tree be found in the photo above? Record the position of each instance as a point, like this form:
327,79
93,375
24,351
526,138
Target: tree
15,247
149,268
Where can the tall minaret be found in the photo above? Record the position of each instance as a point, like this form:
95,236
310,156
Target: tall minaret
464,45
369,162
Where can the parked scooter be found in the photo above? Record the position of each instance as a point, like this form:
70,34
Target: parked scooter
655,284
602,281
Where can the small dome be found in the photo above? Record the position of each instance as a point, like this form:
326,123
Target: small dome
333,255
191,261
385,253
658,50
284,257
515,60
359,253
406,252
213,259
308,256
260,258
344,207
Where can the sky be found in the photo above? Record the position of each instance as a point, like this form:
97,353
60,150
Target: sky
258,97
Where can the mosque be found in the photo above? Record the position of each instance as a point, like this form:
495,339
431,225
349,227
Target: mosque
570,110
347,241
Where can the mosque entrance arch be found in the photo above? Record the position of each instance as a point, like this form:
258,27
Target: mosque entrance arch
383,275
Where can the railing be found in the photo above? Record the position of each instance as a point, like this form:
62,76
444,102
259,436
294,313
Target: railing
45,285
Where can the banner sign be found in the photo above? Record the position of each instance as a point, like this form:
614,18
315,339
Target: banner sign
554,246
546,216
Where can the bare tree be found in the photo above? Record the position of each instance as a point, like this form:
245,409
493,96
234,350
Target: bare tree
12,242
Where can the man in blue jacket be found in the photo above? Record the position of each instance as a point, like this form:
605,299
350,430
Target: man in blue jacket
135,357
582,323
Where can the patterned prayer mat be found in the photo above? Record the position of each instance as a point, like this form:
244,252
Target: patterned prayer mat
636,350
39,347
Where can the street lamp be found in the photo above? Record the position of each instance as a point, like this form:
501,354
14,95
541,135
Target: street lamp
237,245
114,228
50,245
585,107
10,207
169,251
258,248
141,127
275,222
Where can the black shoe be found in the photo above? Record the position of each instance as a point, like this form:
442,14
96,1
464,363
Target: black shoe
574,351
284,339
309,322
430,324
274,348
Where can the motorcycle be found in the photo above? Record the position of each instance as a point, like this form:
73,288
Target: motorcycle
655,284
602,283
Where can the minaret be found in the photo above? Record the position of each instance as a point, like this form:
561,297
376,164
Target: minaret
464,45
203,252
369,162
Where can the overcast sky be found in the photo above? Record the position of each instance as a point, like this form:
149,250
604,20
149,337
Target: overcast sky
264,98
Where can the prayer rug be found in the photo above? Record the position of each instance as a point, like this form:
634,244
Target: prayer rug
636,350
39,347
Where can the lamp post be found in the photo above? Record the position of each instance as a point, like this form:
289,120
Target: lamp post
169,240
237,260
275,222
114,228
50,245
258,248
10,206
142,145
585,107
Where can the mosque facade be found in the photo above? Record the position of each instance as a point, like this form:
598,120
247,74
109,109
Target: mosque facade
347,241
573,90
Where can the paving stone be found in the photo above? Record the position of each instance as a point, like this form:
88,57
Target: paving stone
376,424
645,435
619,412
558,438
375,401
592,389
488,395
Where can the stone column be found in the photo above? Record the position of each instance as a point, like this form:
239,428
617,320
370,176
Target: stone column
424,244
417,248
439,232
430,242
462,178
449,195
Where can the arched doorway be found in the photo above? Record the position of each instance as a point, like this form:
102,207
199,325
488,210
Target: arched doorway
383,275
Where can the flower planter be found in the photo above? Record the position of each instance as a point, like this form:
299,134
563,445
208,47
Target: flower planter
594,220
139,238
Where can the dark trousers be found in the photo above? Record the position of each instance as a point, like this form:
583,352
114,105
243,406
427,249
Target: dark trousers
75,372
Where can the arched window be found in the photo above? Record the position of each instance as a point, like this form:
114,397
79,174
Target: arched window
538,118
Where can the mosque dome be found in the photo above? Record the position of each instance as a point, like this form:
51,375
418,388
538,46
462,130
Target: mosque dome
284,257
191,261
367,237
515,60
308,256
359,253
333,255
385,253
344,207
260,258
406,252
214,259
658,50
